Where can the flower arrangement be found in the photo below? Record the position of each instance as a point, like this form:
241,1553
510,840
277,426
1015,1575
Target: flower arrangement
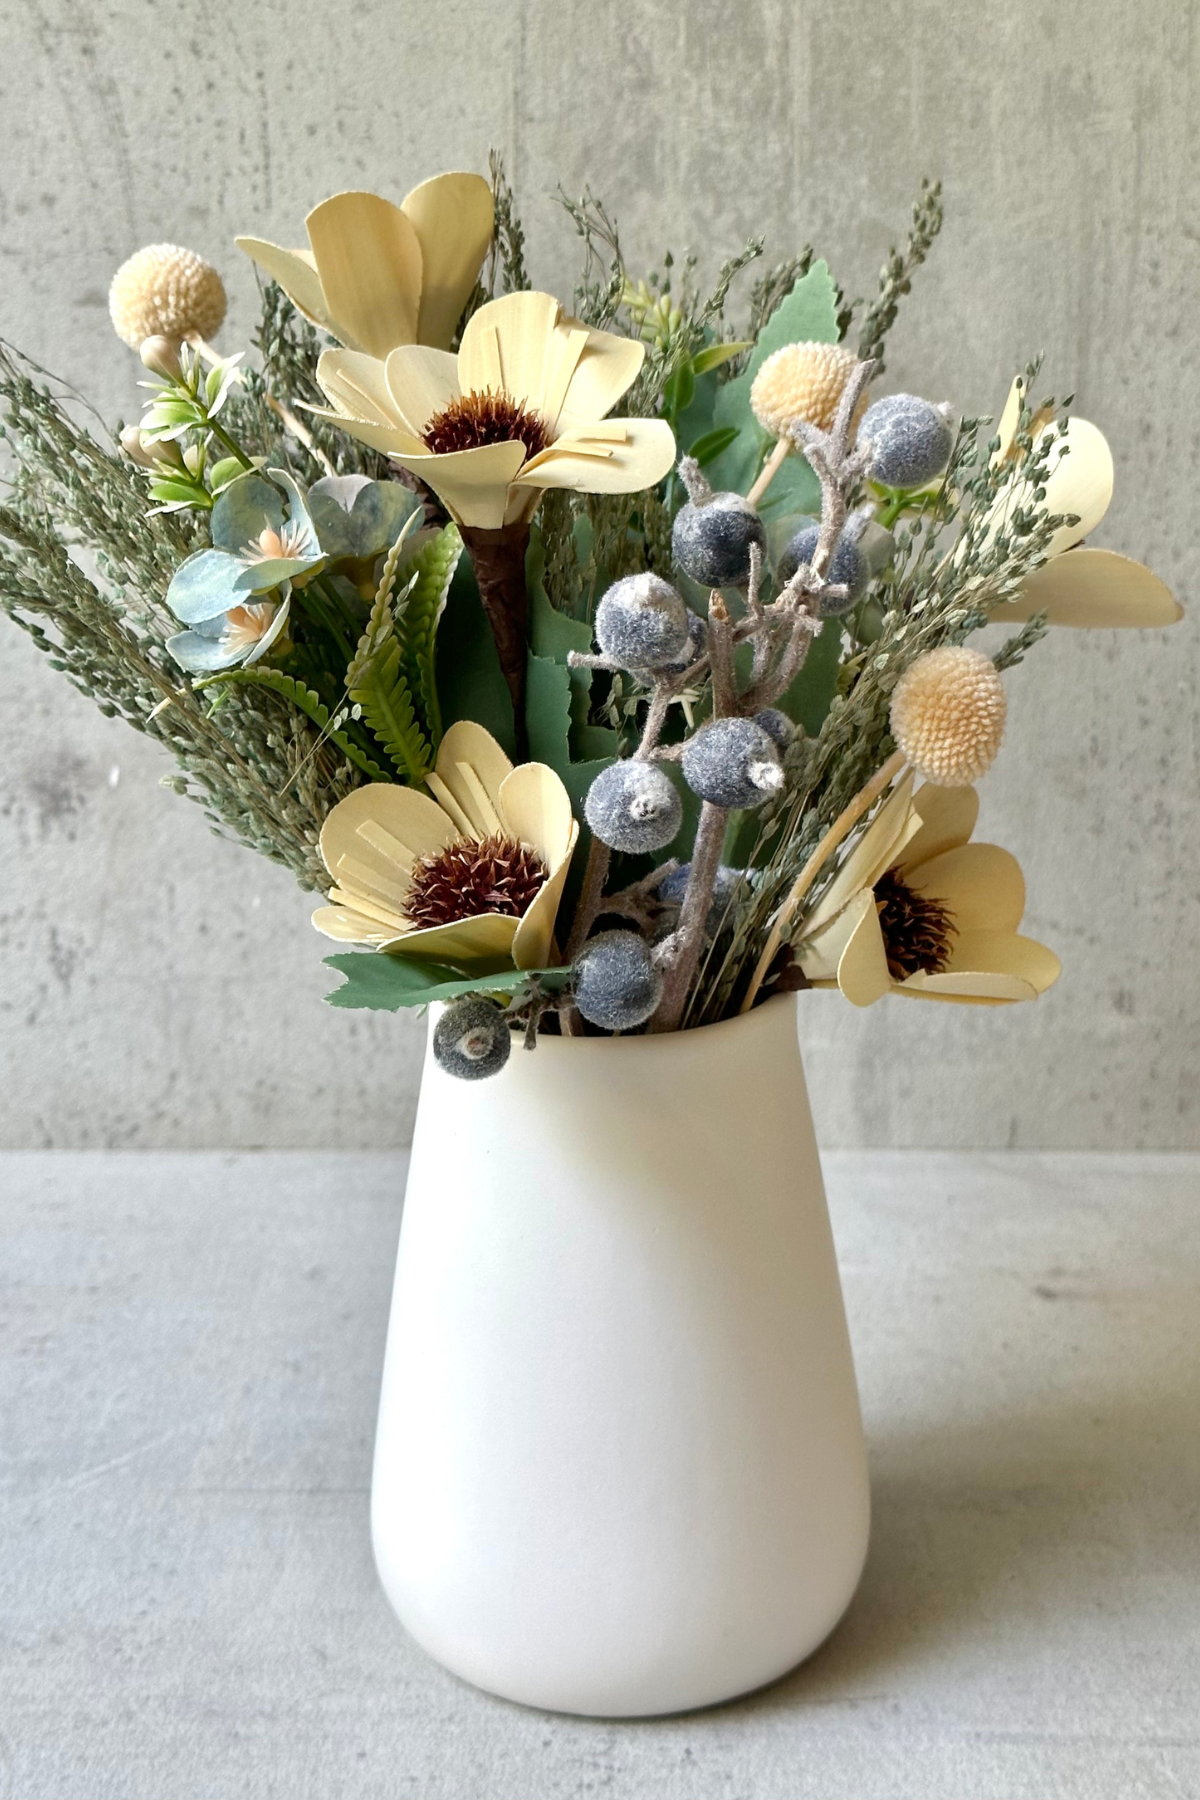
604,667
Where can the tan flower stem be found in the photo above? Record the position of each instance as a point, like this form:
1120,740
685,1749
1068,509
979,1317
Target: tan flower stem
838,831
499,561
769,471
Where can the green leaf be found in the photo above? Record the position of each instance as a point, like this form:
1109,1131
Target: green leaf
469,682
356,518
553,635
807,315
713,355
808,698
381,983
306,701
247,507
376,683
707,448
418,615
677,394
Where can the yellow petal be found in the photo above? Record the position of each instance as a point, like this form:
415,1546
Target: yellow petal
506,347
420,382
876,850
992,965
296,273
1006,430
1097,590
369,259
646,455
1080,480
471,763
478,946
452,217
821,952
947,817
389,440
862,971
981,884
471,484
371,839
533,942
357,384
607,368
536,809
967,990
349,927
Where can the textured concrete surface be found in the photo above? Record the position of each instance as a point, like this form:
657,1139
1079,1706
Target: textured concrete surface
161,989
189,1361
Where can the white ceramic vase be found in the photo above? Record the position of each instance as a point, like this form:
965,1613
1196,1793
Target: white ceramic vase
619,1467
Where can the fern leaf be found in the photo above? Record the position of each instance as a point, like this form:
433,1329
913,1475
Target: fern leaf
417,615
383,694
308,702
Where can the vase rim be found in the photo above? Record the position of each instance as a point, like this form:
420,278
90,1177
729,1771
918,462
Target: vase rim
625,1041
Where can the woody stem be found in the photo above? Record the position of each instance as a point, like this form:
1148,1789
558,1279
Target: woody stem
499,561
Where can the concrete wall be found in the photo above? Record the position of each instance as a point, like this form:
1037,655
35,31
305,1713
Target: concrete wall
158,987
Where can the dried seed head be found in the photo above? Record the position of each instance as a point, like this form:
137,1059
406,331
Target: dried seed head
801,382
948,715
918,931
166,291
473,420
469,878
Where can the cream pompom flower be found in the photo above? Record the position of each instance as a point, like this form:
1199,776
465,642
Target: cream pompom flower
472,877
802,382
166,291
521,408
948,713
1089,588
376,275
919,909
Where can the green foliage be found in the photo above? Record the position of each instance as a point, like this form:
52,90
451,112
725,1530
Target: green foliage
307,701
376,684
418,613
895,277
469,681
379,983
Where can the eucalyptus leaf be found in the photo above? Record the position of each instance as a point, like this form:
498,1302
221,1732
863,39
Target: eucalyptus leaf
204,586
246,509
357,518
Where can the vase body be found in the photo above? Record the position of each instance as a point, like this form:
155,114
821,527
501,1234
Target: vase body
619,1467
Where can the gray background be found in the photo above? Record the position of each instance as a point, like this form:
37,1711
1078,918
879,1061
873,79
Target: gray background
160,988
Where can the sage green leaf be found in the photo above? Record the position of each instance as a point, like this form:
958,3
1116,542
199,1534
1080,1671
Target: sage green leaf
810,695
707,448
469,682
713,355
386,983
357,518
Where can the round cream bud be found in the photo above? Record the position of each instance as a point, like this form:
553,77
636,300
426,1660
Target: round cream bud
802,383
161,356
948,713
166,291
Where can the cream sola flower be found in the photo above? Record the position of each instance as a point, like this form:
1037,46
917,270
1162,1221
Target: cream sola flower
521,408
919,909
472,877
1087,588
376,275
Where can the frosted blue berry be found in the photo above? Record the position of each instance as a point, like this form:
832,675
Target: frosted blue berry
633,806
471,1040
778,727
732,762
910,440
712,534
616,983
642,623
847,567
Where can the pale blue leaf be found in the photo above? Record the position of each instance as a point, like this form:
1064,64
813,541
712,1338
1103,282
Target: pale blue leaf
205,586
245,509
356,518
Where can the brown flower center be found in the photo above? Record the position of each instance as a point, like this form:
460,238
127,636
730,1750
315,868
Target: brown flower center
918,932
487,418
466,879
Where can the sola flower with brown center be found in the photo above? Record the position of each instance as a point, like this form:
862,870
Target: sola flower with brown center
471,877
918,909
948,713
165,291
802,383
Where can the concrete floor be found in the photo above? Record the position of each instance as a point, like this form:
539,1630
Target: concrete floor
188,1368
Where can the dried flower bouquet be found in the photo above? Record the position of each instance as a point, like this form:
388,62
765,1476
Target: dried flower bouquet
586,659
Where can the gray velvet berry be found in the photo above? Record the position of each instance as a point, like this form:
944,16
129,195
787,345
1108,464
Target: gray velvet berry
847,567
697,644
642,623
732,762
673,891
910,440
711,540
778,727
471,1040
616,984
633,806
